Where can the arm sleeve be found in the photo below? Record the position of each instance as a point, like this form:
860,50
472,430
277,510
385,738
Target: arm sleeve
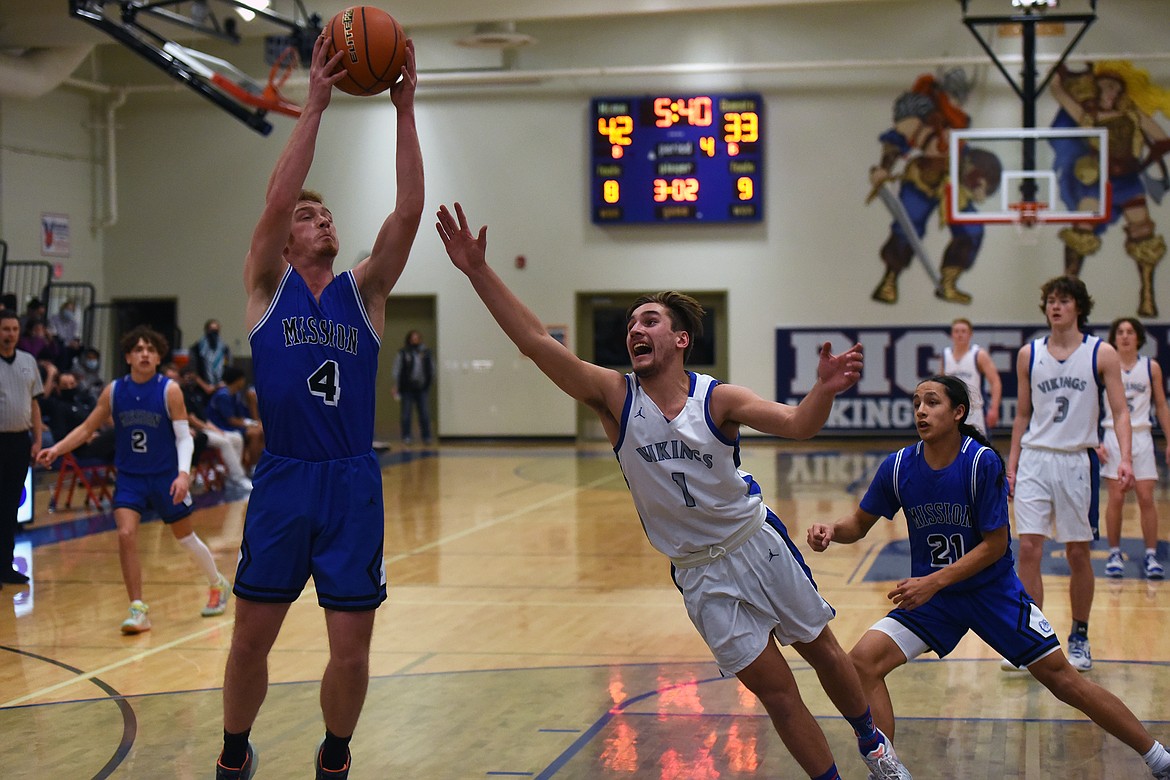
184,444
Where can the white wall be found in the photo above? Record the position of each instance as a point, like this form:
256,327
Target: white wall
191,183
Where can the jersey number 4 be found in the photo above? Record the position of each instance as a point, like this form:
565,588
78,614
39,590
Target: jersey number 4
325,382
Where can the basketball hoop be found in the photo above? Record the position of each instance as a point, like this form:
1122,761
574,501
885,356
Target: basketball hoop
1028,214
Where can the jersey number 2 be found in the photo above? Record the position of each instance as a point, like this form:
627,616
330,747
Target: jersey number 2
945,550
325,382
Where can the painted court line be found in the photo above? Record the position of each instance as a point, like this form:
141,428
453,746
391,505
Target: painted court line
87,676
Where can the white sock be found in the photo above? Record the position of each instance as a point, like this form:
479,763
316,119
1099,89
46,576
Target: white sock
1151,551
202,556
1157,759
1115,550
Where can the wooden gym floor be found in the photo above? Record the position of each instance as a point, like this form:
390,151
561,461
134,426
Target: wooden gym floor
532,632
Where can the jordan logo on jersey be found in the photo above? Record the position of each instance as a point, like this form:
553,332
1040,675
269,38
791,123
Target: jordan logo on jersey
639,414
311,330
673,450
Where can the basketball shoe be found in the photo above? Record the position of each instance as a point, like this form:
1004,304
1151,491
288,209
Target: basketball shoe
217,598
330,774
883,762
1078,653
138,620
1154,570
1115,566
251,761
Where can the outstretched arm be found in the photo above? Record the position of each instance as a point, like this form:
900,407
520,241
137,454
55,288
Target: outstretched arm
377,274
265,261
601,389
82,433
740,406
849,529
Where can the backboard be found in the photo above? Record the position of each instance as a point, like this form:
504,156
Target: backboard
1022,176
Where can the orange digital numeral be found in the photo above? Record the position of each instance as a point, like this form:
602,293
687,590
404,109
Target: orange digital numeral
611,191
746,187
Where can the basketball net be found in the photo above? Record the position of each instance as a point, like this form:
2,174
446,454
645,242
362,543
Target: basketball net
1028,215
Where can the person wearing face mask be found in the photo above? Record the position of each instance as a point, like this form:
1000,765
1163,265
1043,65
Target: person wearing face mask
65,408
87,366
210,355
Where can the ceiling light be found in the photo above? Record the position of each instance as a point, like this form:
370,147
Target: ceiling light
248,15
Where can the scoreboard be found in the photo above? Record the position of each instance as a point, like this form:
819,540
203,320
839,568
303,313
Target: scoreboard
677,158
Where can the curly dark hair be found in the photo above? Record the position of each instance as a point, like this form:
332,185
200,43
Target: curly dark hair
1073,288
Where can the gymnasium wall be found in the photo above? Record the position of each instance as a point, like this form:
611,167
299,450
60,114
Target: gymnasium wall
191,183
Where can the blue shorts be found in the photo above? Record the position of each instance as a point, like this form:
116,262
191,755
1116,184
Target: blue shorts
323,519
1001,613
141,492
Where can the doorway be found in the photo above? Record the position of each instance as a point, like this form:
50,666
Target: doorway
601,323
404,313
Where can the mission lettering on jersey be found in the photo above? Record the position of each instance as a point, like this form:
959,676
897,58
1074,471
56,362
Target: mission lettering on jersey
898,357
327,333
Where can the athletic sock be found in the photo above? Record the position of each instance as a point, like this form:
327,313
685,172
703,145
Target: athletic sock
1115,551
334,751
1152,551
235,749
1081,628
1157,759
202,556
832,774
868,736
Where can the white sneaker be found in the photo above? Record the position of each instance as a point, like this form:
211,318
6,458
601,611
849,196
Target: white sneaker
217,598
1078,653
138,620
883,762
1154,570
1115,566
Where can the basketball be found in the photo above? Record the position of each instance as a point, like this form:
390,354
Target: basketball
374,45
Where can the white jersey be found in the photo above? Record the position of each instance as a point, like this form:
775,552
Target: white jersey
1066,398
1138,380
683,473
967,369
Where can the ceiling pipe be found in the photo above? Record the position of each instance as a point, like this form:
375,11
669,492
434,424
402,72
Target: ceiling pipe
37,72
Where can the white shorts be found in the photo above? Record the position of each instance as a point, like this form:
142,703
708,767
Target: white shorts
1056,494
739,601
1145,465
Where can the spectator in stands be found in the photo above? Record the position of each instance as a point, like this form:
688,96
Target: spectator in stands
88,367
65,408
35,310
229,444
37,342
210,356
64,324
228,410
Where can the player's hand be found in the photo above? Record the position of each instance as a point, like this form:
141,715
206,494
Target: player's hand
324,72
46,456
180,488
402,93
819,536
1125,476
1011,483
840,372
466,251
913,592
1102,453
991,417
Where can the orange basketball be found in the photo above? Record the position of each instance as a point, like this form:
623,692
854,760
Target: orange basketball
374,46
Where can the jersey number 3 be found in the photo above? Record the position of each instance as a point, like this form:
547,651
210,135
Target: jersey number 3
325,382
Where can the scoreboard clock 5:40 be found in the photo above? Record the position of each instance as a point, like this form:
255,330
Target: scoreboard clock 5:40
677,158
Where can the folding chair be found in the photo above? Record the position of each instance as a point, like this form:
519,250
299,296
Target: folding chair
94,477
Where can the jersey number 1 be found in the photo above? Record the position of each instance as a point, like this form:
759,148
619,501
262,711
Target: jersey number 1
325,382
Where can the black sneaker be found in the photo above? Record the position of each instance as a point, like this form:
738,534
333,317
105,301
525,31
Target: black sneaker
251,761
13,577
330,774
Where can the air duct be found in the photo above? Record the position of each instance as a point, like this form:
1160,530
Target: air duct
36,72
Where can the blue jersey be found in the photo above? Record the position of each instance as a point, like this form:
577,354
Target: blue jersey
316,364
947,511
144,437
